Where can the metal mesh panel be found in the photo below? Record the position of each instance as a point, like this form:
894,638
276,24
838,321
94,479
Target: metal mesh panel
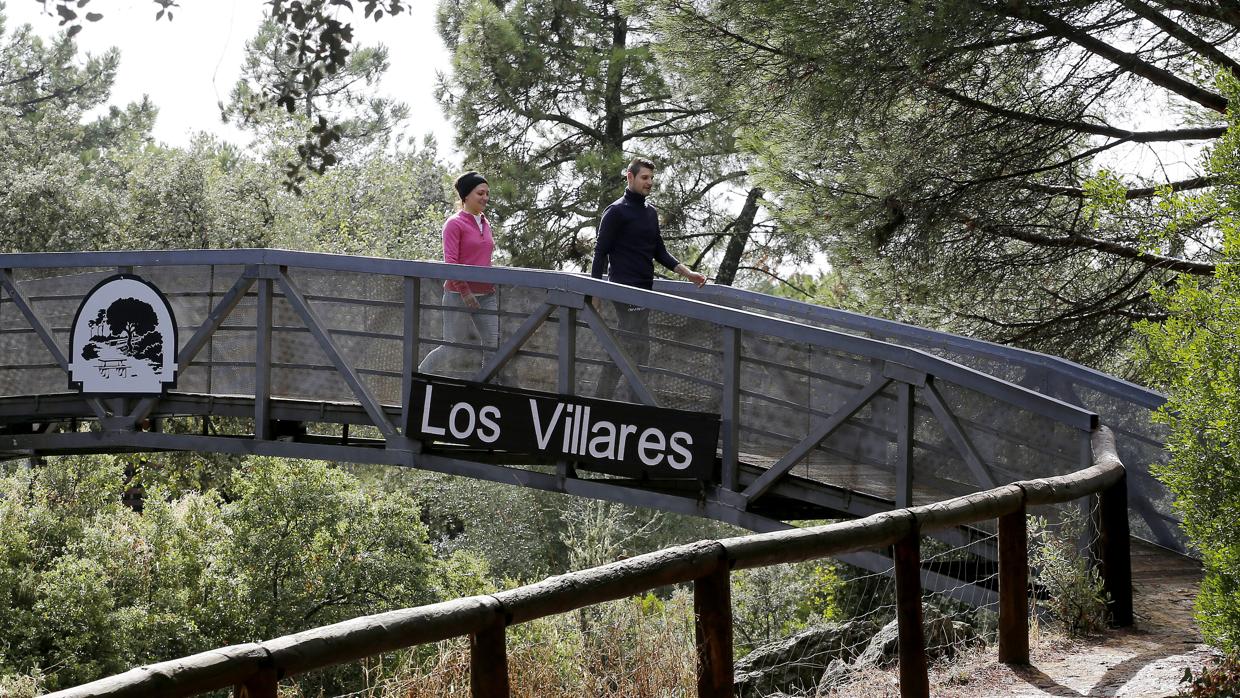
69,282
687,354
1139,439
1015,443
591,358
536,365
54,295
774,389
1125,409
196,379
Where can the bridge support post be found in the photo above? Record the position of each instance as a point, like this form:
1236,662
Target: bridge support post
263,684
905,425
566,378
488,663
1114,553
712,611
1013,588
914,679
262,362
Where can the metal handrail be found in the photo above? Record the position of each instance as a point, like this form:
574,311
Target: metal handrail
1102,382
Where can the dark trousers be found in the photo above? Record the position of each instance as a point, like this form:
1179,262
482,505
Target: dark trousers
634,336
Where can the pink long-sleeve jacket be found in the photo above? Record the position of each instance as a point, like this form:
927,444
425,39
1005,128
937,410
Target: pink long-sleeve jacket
465,243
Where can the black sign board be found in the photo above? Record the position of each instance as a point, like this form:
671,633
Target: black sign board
599,435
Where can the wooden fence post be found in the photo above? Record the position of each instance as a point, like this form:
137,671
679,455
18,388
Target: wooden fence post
712,612
262,684
1114,551
488,662
914,679
1013,588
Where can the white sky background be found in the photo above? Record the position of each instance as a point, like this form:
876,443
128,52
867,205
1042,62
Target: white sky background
187,66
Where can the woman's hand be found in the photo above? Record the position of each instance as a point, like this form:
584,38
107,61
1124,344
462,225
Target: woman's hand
470,301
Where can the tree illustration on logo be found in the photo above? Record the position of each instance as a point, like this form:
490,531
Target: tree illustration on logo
97,325
137,321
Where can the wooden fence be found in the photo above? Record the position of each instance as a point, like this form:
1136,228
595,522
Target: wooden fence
255,669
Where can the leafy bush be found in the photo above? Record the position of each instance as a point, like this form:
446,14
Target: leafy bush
21,686
1072,584
1194,355
1220,680
89,587
771,603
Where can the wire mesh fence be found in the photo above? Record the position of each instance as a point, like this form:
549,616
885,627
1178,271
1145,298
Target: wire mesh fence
817,628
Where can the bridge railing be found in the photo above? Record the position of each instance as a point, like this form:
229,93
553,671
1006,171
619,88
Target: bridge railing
255,669
814,422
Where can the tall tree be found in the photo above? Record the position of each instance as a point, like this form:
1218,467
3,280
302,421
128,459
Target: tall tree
343,97
1004,168
550,99
1195,357
316,38
51,153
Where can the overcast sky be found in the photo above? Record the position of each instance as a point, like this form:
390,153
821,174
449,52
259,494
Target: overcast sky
189,64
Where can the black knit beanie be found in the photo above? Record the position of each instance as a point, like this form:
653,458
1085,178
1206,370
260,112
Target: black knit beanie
467,182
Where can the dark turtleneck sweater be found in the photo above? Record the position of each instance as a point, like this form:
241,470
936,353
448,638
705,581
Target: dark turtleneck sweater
629,243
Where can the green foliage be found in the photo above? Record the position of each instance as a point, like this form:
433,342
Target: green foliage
69,182
1193,356
526,535
89,587
770,603
827,288
309,47
624,651
344,98
959,161
551,99
1219,680
1194,353
28,686
1072,584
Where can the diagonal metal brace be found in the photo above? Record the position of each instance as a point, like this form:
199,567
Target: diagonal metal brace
509,348
27,309
617,353
964,445
859,399
189,352
316,327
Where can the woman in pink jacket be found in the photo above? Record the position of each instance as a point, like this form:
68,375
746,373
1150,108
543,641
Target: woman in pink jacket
469,315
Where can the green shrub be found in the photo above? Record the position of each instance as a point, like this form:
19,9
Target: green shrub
1220,680
1194,356
1072,584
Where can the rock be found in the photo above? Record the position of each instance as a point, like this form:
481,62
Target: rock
944,637
794,665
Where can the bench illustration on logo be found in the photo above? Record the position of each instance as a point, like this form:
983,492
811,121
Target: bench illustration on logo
123,339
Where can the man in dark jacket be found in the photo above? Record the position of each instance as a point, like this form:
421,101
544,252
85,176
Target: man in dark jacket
629,243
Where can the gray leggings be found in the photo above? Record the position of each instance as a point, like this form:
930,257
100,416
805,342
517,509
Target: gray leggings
462,325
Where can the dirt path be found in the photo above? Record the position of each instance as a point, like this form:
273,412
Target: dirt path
1145,661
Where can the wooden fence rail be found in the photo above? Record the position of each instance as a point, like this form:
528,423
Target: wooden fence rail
254,669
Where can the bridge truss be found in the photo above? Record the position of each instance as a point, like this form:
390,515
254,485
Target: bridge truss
823,414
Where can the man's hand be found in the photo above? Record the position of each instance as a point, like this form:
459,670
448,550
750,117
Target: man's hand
697,279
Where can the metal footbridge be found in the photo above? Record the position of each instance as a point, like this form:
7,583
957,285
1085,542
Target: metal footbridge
821,413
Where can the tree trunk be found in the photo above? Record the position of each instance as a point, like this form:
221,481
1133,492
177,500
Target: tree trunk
740,238
613,117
